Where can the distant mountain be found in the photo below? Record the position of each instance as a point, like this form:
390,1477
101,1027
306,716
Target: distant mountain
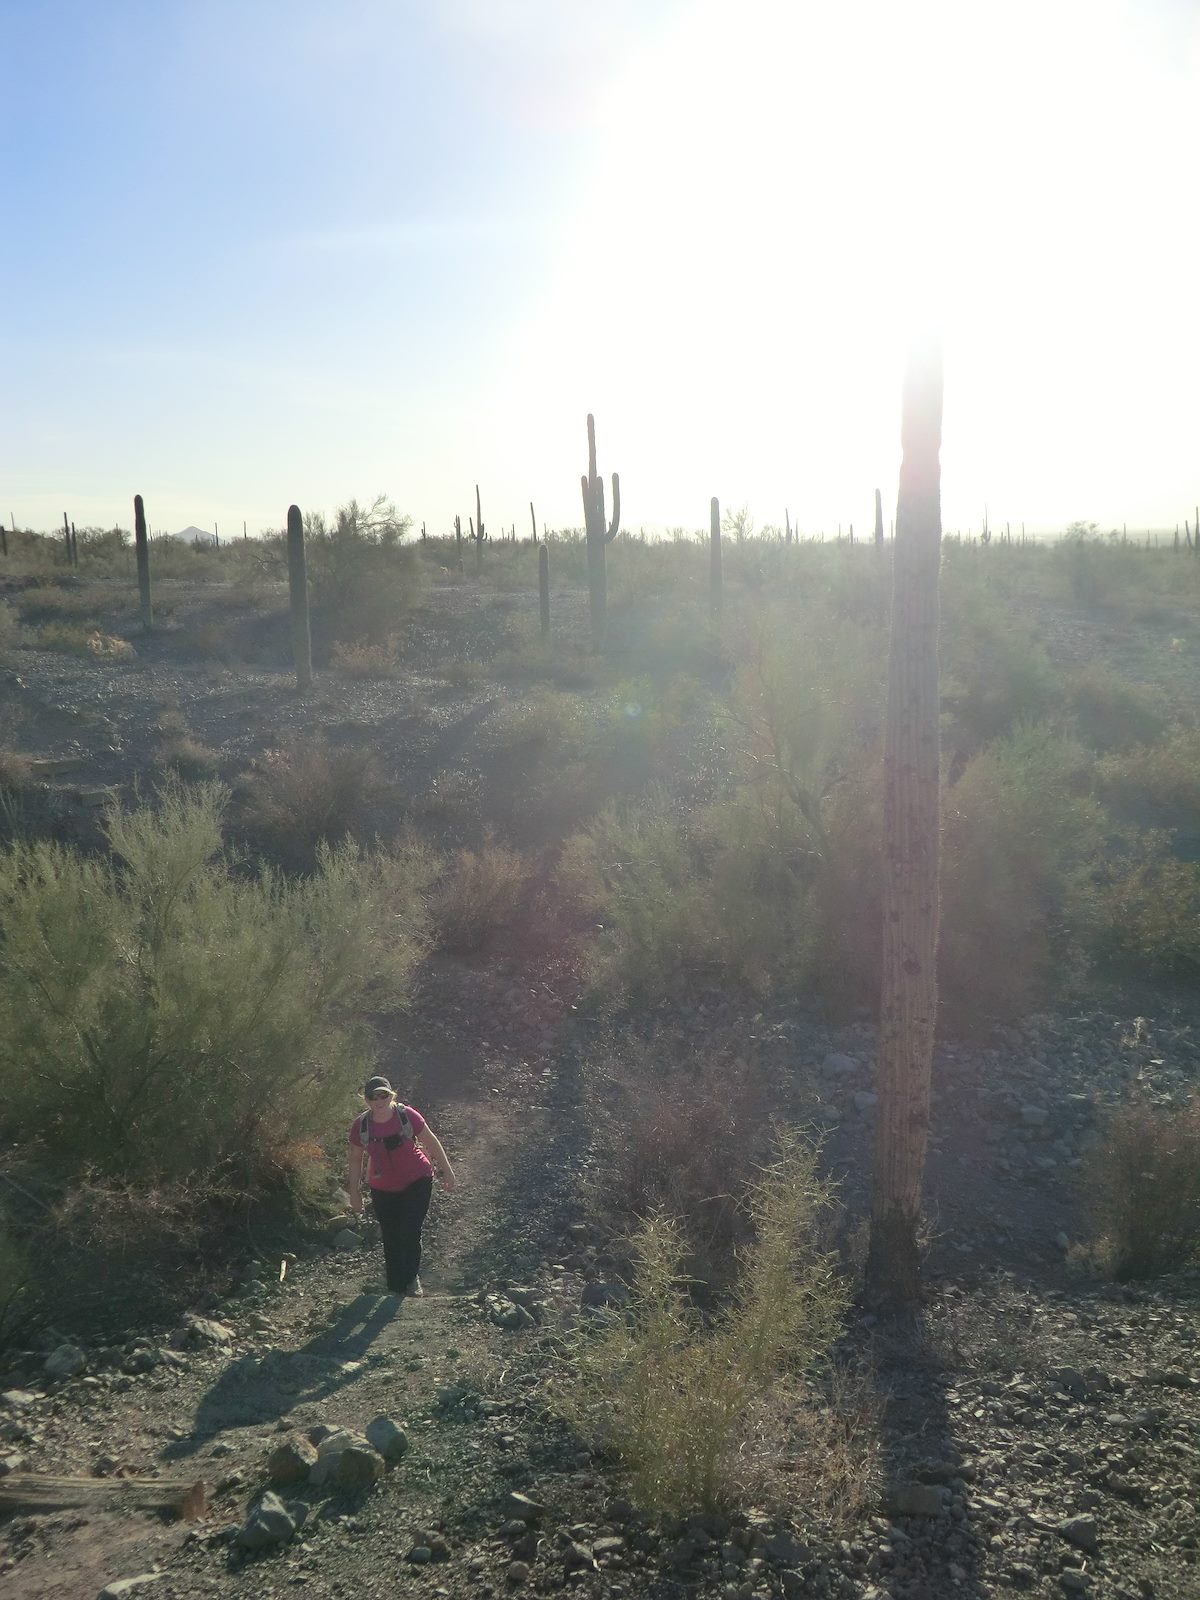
193,536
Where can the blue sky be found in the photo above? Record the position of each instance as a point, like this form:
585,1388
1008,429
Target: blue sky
273,252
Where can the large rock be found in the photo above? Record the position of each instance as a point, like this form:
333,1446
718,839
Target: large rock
64,1362
291,1462
387,1437
347,1239
269,1524
363,1466
204,1331
917,1500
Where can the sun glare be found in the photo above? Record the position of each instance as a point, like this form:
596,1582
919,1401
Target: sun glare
781,197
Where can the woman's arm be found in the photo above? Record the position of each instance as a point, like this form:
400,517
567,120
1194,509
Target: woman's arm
358,1160
432,1146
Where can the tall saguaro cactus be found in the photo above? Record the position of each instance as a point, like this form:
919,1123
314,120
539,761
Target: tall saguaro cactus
598,536
478,534
878,517
298,595
715,595
544,590
908,1001
141,544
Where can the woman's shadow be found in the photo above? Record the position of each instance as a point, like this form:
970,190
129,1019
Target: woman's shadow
262,1388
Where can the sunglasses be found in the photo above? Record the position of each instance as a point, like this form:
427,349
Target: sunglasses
382,1094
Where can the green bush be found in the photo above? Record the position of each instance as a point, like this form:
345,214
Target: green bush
307,794
1111,713
634,869
1143,1184
676,1400
994,673
162,1016
478,895
1149,904
1157,783
362,580
1020,837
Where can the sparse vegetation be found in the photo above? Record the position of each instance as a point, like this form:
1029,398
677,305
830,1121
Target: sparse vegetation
1144,1182
478,895
306,794
676,1400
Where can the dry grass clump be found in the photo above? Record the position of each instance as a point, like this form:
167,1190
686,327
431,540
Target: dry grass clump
1143,1184
180,752
678,1399
464,674
479,895
64,638
306,794
359,659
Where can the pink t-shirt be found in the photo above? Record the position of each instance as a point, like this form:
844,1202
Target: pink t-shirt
397,1168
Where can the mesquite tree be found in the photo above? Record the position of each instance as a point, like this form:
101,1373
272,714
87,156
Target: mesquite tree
598,535
908,1003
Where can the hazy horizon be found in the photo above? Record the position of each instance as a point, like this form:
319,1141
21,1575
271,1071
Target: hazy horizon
262,256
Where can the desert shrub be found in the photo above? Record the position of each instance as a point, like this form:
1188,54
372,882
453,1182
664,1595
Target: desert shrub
541,719
14,1277
1143,1183
994,673
478,895
1149,907
636,868
664,1129
362,579
1111,713
15,770
675,1400
64,638
164,1017
178,750
367,660
306,794
10,628
1159,782
465,673
1020,836
61,602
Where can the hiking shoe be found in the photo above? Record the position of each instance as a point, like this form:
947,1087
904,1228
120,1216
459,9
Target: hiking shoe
415,1290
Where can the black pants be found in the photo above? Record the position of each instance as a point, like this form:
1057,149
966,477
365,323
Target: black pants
401,1213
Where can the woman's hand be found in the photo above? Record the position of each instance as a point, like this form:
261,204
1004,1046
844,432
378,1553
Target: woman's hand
449,1183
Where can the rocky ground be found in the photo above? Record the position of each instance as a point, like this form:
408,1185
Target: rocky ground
1032,1431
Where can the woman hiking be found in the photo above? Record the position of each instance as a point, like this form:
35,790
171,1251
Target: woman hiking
402,1154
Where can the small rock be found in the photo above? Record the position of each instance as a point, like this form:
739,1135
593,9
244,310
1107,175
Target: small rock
865,1101
124,1586
917,1500
346,1239
1075,1582
577,1555
522,1507
18,1399
837,1065
597,1293
420,1555
1082,1533
517,1572
1034,1116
